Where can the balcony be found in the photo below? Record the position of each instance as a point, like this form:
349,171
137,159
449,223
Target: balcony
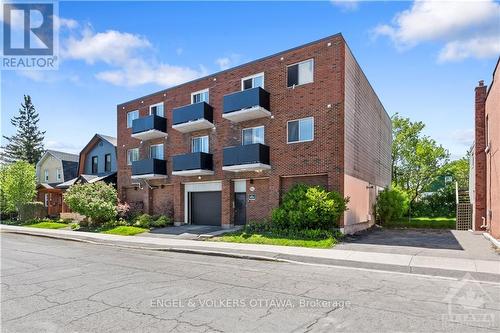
193,117
193,164
254,157
149,128
151,168
246,105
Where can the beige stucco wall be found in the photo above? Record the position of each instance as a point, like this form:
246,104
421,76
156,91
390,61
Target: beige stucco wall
493,156
52,164
362,196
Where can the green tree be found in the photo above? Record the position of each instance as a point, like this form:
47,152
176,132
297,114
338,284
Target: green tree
416,158
97,201
18,183
459,170
27,143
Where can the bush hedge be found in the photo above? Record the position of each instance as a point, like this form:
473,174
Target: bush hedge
391,205
309,207
32,210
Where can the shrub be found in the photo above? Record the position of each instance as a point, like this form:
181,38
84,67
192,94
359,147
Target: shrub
32,210
94,200
161,221
438,204
17,185
123,210
309,207
391,204
143,221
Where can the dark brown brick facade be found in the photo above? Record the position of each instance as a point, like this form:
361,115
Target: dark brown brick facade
323,99
480,158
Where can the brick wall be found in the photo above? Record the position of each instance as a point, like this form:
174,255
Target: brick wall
480,158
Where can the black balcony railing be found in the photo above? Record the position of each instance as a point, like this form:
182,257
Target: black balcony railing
192,112
150,166
246,99
246,154
192,161
152,122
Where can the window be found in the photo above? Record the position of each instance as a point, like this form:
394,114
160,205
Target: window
157,110
252,135
253,81
300,73
156,151
301,130
46,175
58,174
131,116
199,144
132,155
94,164
107,162
199,96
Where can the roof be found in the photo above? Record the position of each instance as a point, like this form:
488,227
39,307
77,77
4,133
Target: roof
63,156
48,186
239,66
82,179
111,139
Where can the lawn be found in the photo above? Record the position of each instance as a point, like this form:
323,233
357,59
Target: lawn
124,231
269,238
47,225
423,223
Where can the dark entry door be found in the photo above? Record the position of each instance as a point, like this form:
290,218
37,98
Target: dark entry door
206,208
240,208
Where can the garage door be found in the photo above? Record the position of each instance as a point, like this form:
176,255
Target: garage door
206,208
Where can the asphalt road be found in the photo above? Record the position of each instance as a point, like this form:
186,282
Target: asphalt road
62,286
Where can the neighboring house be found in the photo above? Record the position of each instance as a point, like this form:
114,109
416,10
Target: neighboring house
54,168
485,157
223,149
97,162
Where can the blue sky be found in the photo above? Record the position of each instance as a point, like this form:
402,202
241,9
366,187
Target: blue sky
423,59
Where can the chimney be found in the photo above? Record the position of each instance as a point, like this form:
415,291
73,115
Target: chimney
480,157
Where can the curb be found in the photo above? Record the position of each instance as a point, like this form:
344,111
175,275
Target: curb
494,242
282,258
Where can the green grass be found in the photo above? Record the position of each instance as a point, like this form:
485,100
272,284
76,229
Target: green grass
423,223
273,239
124,231
48,225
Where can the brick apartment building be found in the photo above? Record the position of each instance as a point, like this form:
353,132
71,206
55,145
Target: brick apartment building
222,149
485,158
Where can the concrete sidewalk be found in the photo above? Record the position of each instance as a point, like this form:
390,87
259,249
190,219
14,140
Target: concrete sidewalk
483,270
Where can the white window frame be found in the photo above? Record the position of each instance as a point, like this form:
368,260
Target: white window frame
156,145
199,92
298,73
133,111
46,175
129,161
247,128
46,199
299,141
157,104
58,174
254,76
200,137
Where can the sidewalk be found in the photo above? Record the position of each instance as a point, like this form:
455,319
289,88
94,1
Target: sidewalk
479,269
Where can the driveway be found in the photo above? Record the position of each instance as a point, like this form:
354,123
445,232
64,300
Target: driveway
187,231
428,242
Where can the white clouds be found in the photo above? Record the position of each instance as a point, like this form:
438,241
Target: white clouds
129,56
460,24
481,47
226,62
463,136
346,5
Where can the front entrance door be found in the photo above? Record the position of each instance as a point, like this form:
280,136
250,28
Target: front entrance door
240,208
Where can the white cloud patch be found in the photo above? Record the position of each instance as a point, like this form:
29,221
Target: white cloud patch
346,5
462,25
463,136
227,62
129,56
